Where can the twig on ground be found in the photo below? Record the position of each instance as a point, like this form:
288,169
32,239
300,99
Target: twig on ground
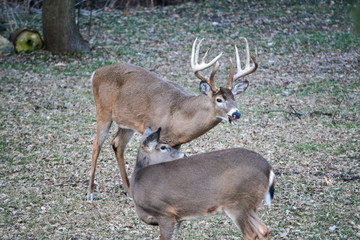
294,112
321,113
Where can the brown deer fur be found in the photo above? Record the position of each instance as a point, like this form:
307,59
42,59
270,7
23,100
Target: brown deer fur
135,99
232,181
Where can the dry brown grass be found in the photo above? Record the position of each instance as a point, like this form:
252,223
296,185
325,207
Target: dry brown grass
301,112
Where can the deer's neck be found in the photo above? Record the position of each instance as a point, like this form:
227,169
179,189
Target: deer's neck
142,161
194,116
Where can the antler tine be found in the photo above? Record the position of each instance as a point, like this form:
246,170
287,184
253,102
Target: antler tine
205,55
196,67
248,69
238,64
247,63
193,59
197,51
212,76
253,57
231,75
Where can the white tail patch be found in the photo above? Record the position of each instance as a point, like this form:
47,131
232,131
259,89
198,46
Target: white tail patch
267,194
92,76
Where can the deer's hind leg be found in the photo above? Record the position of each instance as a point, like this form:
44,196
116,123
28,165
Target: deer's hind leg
119,143
256,224
240,219
249,224
168,227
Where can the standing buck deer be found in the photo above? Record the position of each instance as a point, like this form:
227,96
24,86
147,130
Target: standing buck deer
135,99
232,181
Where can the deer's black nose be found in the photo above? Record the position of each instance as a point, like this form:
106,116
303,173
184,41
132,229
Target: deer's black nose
236,115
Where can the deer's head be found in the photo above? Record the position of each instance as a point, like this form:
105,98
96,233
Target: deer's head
153,151
224,97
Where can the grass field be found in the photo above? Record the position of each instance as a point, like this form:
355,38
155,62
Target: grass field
301,112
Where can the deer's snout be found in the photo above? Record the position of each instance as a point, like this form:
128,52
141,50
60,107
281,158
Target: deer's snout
233,115
178,154
236,115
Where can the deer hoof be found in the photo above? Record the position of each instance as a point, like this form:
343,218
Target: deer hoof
90,197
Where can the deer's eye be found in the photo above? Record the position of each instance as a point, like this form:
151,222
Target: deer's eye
219,100
163,147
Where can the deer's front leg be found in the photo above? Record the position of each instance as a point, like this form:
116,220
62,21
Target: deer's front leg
119,143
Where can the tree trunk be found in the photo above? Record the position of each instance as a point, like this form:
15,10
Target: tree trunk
61,34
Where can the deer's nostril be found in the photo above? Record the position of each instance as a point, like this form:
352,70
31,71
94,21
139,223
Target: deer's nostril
236,115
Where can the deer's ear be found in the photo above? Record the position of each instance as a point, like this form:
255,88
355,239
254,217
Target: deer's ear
152,140
205,88
147,132
240,87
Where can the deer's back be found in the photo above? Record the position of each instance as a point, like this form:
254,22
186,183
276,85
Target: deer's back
230,174
124,77
215,162
129,94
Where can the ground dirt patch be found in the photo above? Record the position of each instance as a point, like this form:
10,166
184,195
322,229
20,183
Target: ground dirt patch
301,112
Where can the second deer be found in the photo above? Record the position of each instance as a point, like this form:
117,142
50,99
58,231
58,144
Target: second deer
232,182
135,99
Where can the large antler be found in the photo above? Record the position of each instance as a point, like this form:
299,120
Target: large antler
248,69
196,67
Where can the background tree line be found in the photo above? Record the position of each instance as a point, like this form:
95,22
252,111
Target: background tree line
97,4
60,18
